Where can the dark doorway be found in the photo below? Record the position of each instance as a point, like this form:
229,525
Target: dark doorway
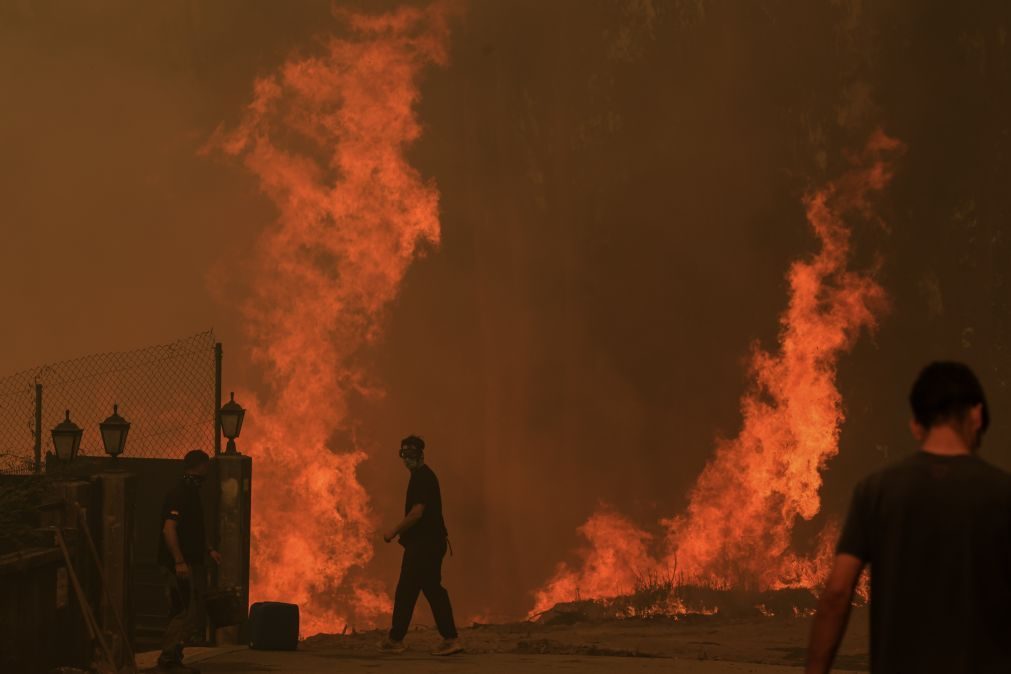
153,479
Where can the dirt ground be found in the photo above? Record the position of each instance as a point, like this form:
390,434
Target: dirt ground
703,644
318,663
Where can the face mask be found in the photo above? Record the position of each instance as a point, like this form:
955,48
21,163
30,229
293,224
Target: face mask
411,456
407,452
193,480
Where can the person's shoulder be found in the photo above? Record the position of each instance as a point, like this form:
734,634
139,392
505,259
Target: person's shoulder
876,482
423,475
427,476
917,461
888,472
994,473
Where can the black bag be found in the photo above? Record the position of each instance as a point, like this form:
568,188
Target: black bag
273,626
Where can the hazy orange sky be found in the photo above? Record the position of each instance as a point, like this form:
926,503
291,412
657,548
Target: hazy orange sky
621,190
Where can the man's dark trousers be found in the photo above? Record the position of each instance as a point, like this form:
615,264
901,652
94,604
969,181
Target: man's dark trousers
185,602
421,571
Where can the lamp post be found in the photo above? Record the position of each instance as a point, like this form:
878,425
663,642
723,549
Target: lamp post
234,474
114,430
67,439
232,414
118,503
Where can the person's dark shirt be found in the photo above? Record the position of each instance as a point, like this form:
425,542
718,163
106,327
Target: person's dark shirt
936,532
431,528
183,505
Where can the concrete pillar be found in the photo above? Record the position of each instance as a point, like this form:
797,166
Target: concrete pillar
235,477
73,495
115,547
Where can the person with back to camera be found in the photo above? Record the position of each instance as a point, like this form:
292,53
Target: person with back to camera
935,529
423,534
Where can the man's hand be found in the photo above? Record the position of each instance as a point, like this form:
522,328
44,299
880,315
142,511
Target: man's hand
182,570
412,518
215,555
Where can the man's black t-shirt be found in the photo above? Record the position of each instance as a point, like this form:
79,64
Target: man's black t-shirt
936,532
431,529
183,505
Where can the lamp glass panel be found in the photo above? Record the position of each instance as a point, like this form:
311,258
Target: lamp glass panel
112,438
64,445
230,424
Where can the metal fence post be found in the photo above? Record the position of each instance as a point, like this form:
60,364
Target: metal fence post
38,428
217,398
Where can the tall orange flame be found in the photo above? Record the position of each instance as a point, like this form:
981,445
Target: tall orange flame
326,137
737,528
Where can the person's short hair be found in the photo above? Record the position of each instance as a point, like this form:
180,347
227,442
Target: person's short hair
414,442
945,391
195,458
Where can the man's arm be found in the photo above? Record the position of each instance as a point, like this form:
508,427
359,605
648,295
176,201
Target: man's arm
171,534
412,518
833,613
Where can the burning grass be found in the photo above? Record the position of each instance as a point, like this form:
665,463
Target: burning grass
668,595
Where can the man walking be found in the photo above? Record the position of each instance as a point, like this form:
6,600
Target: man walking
181,552
423,534
935,529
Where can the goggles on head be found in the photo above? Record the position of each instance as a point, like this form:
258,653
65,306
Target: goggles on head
409,452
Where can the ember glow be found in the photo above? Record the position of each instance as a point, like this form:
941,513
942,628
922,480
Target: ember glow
326,136
737,528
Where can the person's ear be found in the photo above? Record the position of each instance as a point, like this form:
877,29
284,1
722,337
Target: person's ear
976,417
917,429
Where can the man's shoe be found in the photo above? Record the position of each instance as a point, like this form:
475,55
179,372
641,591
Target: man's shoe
448,647
388,645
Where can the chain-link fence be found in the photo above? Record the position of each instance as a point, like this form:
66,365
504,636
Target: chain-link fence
168,393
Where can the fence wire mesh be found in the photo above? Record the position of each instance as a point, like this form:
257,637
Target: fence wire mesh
167,393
